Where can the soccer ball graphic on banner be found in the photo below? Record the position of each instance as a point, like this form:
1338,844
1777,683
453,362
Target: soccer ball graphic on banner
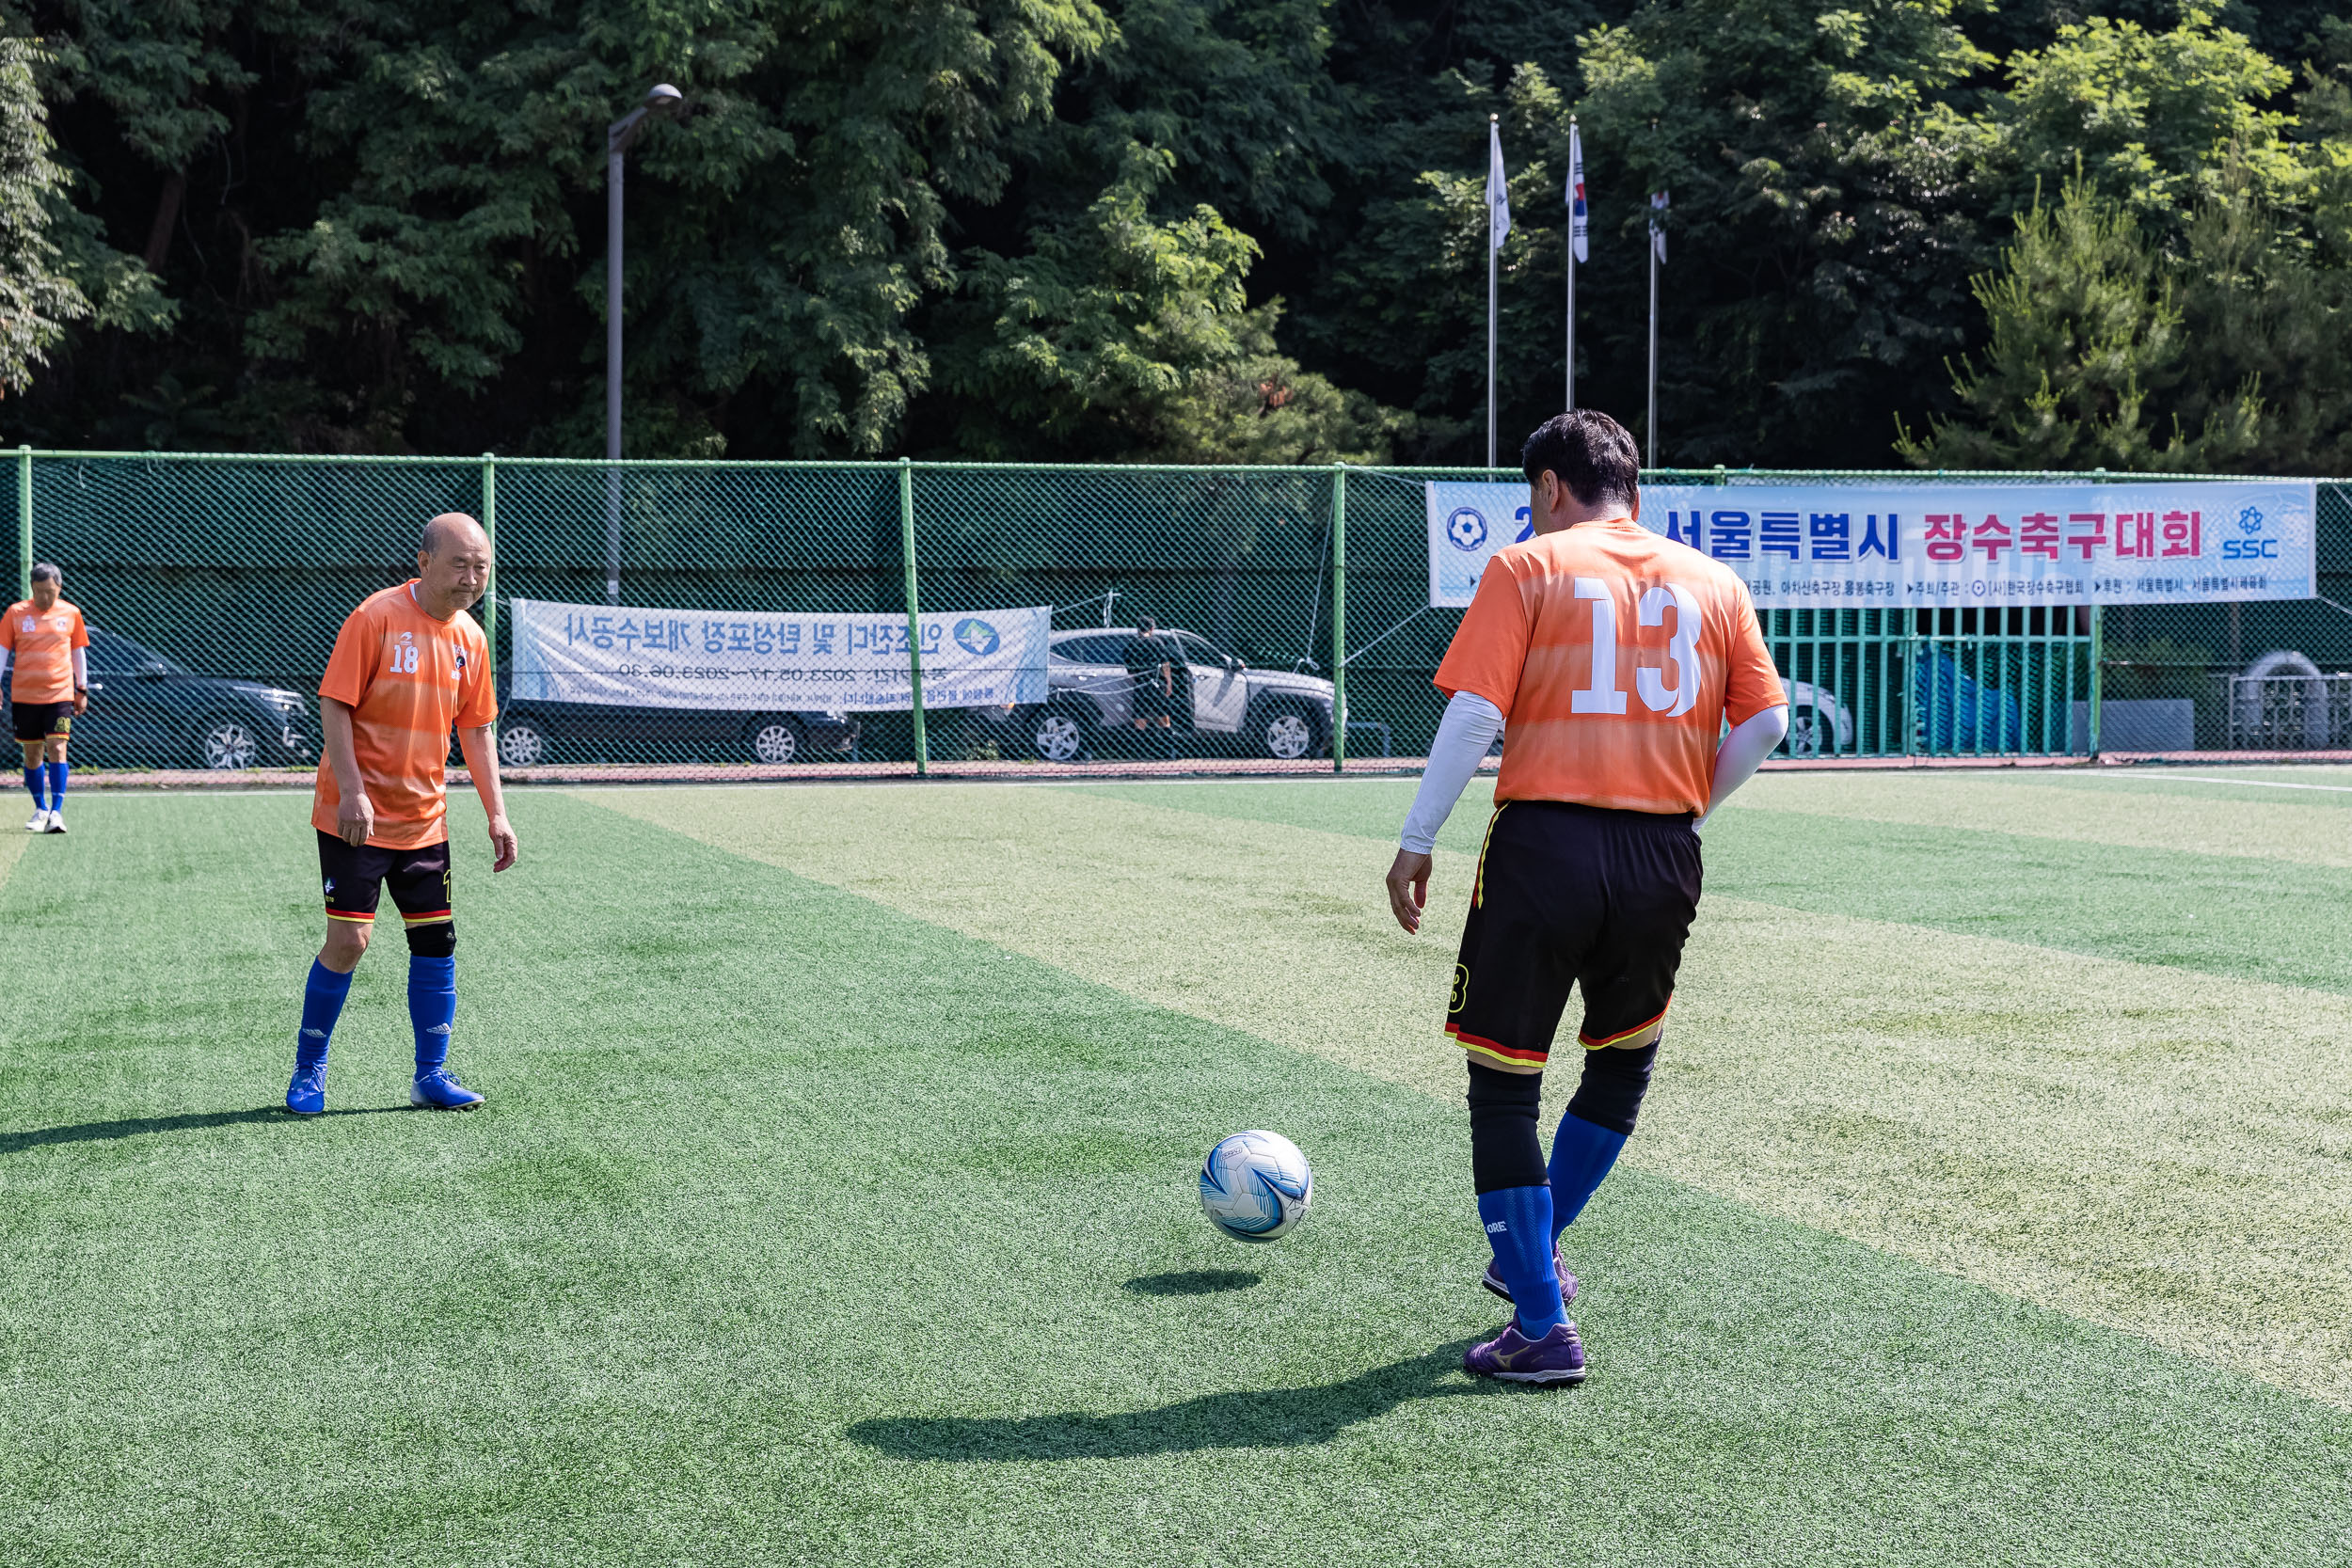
1255,1186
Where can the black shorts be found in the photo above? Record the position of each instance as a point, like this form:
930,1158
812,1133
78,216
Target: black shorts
1571,894
40,720
419,880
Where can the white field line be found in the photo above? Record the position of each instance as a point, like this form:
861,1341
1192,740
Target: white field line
2260,783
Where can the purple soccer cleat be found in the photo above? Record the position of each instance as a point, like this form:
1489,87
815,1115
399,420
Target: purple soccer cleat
1495,1282
1513,1357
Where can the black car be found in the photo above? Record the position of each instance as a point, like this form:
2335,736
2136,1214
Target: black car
145,711
532,732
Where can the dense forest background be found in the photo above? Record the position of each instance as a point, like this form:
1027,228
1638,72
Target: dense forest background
2005,232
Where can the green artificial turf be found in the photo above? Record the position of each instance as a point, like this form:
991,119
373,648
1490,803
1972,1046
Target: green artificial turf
2243,916
799,1228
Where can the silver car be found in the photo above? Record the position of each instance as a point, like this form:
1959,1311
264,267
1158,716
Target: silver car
1268,713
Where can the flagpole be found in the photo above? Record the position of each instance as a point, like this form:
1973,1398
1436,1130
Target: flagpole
1493,123
1650,429
1571,239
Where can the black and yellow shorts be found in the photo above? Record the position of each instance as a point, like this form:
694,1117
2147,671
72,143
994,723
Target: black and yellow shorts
355,879
1572,895
41,721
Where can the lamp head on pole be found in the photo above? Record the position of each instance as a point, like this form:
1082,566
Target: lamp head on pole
664,99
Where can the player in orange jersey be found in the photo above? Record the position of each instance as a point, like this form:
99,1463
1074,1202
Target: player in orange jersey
44,637
408,666
1610,658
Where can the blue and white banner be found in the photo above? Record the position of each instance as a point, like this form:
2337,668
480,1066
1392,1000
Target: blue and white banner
1936,544
708,658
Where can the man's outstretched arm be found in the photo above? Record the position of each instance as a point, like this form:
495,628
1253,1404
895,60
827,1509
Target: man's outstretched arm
481,762
1466,734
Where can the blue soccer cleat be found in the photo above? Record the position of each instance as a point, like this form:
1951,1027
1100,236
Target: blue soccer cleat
1513,1357
1495,1282
437,1091
307,1095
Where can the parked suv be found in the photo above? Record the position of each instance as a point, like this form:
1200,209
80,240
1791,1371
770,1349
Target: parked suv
1270,713
532,732
145,711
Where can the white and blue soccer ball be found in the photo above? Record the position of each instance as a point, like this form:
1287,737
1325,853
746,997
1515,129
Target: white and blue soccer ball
1255,1186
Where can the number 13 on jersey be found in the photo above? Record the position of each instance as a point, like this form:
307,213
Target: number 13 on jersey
1602,694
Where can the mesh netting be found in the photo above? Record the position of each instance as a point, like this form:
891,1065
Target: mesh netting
214,586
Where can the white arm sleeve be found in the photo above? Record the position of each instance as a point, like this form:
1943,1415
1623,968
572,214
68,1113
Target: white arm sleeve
81,668
1743,751
1468,730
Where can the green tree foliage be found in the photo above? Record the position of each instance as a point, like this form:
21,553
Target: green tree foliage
2108,353
1179,229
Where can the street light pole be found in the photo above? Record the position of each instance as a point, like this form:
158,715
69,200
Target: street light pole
618,137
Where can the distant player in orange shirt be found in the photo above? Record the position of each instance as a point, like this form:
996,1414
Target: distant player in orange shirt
1609,658
408,666
44,638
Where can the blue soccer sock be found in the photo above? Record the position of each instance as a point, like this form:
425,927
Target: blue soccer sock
57,784
1519,1224
322,1004
36,781
1581,1154
432,1009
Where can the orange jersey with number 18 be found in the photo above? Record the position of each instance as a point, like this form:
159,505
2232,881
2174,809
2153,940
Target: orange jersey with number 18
1615,656
408,680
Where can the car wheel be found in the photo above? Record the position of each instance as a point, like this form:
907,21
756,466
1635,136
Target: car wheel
227,741
1810,735
1285,732
776,741
523,743
1056,735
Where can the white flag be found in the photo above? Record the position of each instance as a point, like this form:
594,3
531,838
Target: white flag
1658,204
1498,192
1577,214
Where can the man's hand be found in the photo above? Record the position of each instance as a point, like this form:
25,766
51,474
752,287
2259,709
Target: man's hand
502,843
1409,887
81,701
354,817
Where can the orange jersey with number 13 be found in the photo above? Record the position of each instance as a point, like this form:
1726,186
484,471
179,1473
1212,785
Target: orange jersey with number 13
1615,656
409,680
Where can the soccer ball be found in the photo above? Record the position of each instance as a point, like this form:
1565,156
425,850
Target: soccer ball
1255,1186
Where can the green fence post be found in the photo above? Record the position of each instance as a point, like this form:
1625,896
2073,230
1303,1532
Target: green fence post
490,591
914,618
24,522
2098,654
1339,618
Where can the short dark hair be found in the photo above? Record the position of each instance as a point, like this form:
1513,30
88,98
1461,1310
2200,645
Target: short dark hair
1148,626
44,572
1593,454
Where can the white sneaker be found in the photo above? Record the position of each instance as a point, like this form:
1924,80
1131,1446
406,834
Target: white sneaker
57,823
40,824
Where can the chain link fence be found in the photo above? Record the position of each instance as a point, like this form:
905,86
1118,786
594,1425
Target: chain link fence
1294,629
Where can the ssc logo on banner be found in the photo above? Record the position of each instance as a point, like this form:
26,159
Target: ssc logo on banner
976,637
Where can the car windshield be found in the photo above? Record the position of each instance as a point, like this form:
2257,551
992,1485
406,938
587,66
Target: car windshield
123,657
1200,650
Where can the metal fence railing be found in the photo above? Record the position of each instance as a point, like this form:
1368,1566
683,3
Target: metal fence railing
1299,598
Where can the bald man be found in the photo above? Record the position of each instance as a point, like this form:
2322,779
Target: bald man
408,666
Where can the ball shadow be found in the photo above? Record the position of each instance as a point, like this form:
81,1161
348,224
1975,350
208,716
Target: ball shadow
1192,1282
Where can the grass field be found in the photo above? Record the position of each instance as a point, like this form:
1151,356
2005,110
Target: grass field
834,1203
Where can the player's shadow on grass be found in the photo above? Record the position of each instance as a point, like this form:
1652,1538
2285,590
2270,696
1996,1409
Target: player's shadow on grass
1252,1419
194,1121
1192,1282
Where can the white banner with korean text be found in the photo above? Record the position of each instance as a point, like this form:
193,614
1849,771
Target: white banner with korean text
1889,543
708,659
